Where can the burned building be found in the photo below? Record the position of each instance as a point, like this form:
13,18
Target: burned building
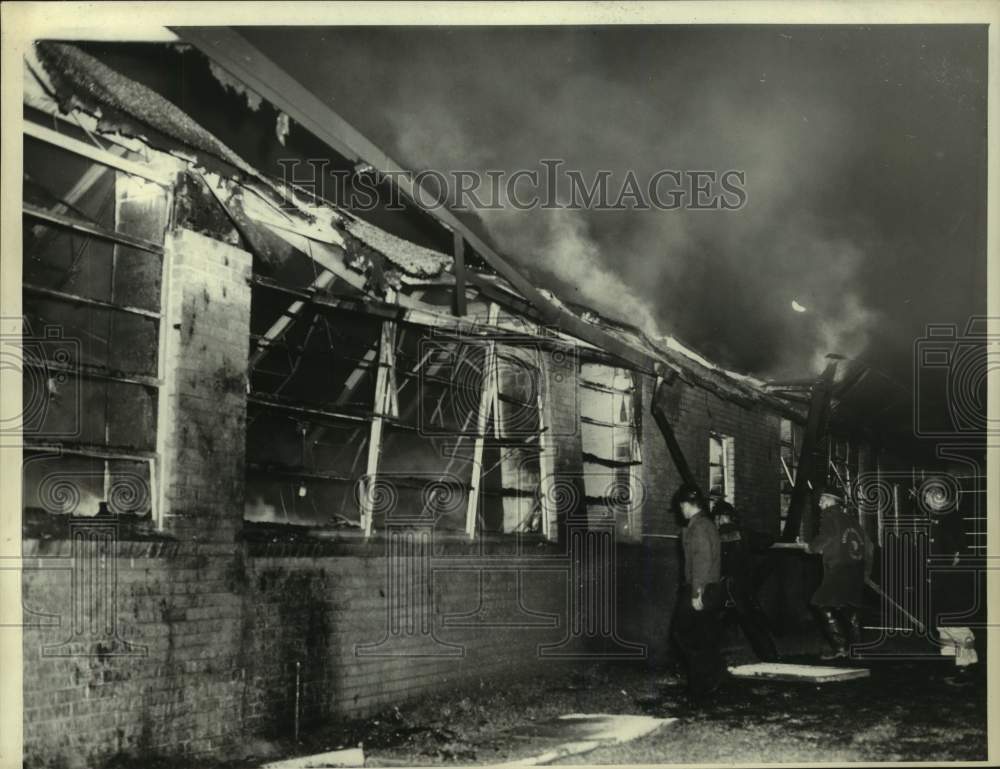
286,461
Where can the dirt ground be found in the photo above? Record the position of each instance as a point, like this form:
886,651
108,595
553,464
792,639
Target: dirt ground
905,711
917,711
921,710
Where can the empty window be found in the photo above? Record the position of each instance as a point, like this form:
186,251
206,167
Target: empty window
507,453
312,374
720,467
611,448
791,445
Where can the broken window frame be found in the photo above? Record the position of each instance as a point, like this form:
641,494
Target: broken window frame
107,453
300,300
631,527
491,411
385,410
787,468
727,448
840,462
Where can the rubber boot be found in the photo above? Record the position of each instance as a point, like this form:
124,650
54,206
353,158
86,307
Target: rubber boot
834,634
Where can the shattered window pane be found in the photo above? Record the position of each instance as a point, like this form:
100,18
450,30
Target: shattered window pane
81,358
427,475
720,467
63,485
304,463
609,437
71,262
438,381
142,208
63,182
520,389
324,358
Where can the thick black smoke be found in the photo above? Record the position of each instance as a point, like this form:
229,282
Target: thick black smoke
863,148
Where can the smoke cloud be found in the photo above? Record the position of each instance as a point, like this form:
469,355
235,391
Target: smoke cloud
817,119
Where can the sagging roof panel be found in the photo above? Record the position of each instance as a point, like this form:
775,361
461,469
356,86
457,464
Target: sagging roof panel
412,259
82,81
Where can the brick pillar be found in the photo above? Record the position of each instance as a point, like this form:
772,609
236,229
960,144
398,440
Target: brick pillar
202,426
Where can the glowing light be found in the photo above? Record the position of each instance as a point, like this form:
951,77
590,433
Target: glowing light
797,307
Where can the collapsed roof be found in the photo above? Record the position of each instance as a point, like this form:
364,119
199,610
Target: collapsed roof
65,75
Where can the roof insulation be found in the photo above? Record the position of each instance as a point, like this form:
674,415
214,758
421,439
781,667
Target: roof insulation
81,81
412,259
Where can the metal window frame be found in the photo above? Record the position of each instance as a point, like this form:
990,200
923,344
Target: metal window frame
77,147
788,469
634,464
82,226
108,453
726,443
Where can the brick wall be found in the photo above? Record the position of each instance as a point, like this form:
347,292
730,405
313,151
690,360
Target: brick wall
203,414
208,641
694,413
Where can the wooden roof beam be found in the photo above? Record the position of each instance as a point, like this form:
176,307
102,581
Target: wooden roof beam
234,53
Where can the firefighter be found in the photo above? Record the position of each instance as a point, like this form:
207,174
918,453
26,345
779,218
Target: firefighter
696,619
738,545
839,598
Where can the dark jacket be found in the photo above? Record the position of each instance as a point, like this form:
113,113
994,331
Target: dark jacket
702,553
843,547
738,545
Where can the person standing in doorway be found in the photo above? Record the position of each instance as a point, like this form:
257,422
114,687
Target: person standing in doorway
696,618
840,596
738,545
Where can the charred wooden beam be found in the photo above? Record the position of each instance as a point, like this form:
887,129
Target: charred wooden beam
800,519
460,303
676,453
240,58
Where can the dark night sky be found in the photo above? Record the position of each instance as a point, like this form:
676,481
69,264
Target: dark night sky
864,149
